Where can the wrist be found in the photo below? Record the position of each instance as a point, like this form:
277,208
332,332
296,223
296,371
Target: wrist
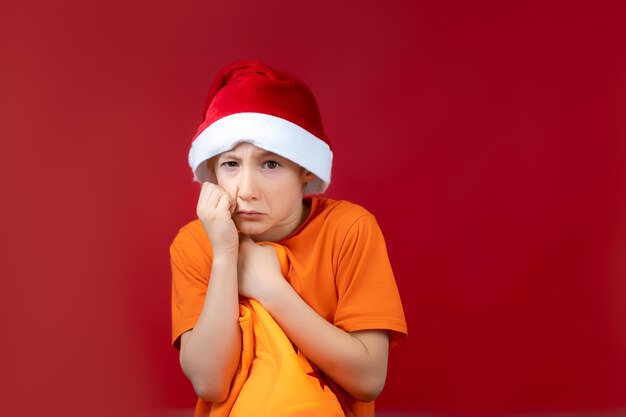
225,256
276,295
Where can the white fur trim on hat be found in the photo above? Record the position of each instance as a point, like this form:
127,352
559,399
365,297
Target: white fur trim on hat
268,132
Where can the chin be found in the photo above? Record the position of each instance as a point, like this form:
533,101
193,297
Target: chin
251,229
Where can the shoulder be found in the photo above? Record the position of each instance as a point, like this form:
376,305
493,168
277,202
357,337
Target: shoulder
344,217
341,210
191,238
339,221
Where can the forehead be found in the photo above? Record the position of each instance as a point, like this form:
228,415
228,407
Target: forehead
246,148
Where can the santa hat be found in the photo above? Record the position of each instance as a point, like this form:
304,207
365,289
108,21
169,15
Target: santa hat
251,102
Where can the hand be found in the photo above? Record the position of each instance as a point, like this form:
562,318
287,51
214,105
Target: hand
258,271
215,210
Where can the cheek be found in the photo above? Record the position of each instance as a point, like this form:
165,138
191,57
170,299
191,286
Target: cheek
288,191
228,185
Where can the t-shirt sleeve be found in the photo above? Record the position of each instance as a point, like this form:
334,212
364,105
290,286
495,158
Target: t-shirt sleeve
191,267
368,296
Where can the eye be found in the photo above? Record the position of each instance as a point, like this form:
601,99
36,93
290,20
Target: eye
229,164
271,164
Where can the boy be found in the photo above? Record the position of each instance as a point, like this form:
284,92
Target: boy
262,156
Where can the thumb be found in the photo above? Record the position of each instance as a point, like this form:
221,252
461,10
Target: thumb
223,203
233,203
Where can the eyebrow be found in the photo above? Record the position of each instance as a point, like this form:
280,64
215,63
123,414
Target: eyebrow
265,154
262,154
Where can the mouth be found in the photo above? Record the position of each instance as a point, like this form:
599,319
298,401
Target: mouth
248,214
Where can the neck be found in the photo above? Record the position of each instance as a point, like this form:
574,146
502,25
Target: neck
281,231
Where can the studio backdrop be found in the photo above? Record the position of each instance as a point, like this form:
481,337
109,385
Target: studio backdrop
488,139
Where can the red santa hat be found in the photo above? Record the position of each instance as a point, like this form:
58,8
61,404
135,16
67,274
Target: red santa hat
251,102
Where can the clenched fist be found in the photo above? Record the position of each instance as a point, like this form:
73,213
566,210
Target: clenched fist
259,271
214,210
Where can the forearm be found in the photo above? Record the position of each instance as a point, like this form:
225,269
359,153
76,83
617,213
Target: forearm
211,352
340,355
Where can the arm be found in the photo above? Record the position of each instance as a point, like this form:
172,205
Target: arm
210,352
356,361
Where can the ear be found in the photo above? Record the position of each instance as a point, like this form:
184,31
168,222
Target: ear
306,176
210,163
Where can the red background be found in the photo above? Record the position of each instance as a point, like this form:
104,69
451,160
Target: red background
487,137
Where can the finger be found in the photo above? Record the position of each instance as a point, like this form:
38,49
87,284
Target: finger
214,195
206,190
209,197
232,201
213,198
202,198
223,203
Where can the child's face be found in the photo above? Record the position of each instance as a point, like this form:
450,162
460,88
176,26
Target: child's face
267,189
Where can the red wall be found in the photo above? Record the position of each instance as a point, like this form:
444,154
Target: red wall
487,137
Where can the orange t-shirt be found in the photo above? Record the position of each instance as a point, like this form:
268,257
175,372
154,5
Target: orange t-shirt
338,264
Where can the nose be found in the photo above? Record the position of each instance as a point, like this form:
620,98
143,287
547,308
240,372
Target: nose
247,187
